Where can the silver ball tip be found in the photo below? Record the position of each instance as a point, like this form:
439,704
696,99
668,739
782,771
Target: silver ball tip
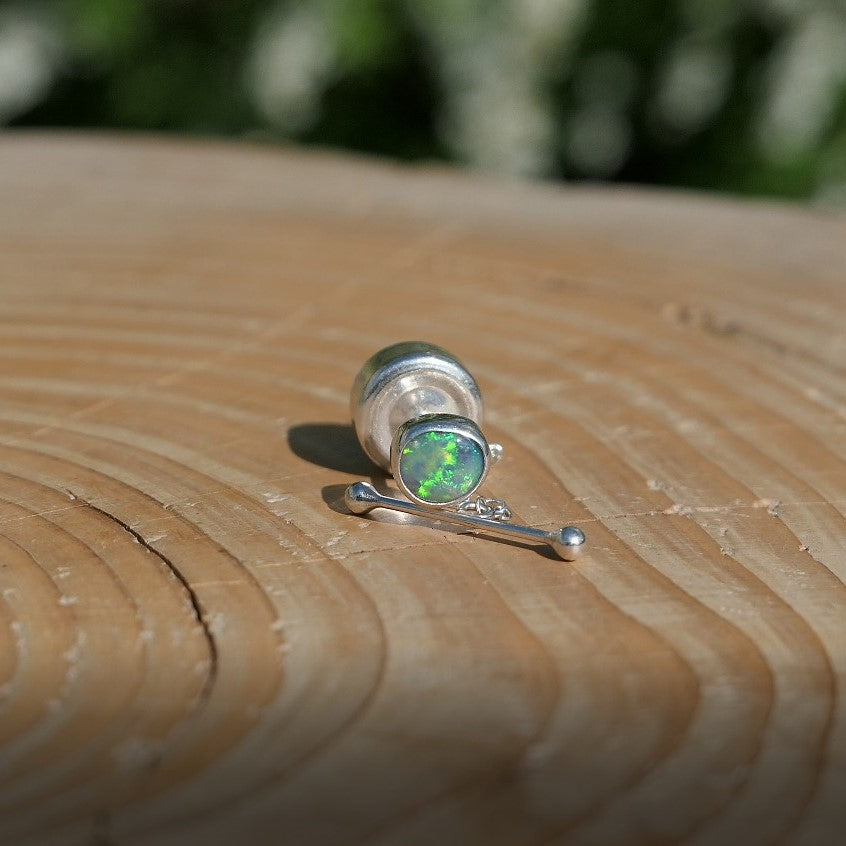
569,543
360,497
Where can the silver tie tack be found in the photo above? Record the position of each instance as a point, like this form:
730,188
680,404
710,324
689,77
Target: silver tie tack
417,413
568,542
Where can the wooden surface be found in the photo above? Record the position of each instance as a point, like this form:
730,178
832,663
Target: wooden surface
197,645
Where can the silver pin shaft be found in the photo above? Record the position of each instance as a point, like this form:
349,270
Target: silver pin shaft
568,542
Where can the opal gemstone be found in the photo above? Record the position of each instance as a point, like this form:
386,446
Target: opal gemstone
441,466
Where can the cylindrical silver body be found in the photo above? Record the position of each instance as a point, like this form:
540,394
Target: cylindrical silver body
403,382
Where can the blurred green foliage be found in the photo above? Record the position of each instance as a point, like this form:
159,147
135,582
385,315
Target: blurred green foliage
746,96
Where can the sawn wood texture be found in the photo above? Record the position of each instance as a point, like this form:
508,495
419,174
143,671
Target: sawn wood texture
198,646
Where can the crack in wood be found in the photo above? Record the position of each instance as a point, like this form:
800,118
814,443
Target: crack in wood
194,600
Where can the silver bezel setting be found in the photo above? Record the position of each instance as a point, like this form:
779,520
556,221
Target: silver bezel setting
451,423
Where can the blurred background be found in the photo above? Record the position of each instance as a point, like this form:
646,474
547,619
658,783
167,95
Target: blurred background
743,96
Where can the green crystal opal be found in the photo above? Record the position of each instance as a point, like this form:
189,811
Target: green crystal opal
441,466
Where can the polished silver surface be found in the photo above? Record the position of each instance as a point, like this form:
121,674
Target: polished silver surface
403,382
437,423
568,543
